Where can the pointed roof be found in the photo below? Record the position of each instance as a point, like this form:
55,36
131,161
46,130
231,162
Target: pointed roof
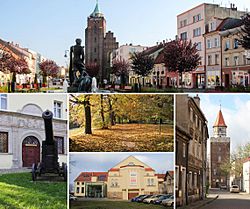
220,122
96,12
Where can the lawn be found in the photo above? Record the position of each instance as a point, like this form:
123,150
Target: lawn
123,138
112,205
18,191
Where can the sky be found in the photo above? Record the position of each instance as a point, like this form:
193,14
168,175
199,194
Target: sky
236,111
51,27
87,162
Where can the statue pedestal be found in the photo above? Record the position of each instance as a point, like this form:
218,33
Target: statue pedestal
72,89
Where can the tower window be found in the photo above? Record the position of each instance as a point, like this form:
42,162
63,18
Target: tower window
219,159
95,50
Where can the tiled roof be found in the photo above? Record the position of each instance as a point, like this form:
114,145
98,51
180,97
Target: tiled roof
160,58
160,176
86,176
114,169
149,169
220,122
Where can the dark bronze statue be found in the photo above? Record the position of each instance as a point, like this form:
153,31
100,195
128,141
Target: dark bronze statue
83,80
49,163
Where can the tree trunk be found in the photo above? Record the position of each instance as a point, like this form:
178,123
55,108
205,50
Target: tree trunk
88,129
104,126
111,112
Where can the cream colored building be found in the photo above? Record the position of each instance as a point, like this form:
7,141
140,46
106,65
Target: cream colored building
235,59
22,128
192,24
125,52
127,179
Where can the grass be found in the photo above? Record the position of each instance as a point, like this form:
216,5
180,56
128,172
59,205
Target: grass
18,191
112,205
123,138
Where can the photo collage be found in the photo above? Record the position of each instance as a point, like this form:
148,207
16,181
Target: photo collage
96,119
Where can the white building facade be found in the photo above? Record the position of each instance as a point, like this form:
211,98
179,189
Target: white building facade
246,176
22,128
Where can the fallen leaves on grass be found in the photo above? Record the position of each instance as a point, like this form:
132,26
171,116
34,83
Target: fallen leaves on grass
125,138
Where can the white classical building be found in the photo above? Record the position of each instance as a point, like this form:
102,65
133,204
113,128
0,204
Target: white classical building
246,176
22,128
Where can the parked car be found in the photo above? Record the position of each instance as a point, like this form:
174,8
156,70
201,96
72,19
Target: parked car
151,199
161,198
72,197
223,186
234,189
169,201
135,199
142,198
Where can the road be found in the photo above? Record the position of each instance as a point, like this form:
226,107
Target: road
228,200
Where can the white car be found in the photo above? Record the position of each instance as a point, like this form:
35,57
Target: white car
234,189
169,201
151,199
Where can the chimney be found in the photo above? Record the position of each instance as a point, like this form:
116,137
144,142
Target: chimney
197,100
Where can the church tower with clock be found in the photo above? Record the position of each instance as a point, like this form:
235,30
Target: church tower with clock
219,153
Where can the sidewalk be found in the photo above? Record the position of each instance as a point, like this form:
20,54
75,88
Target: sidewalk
14,170
201,203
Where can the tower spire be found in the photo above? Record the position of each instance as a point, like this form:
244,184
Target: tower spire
96,12
220,122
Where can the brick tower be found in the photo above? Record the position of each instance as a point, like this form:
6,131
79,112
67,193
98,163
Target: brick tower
98,43
220,153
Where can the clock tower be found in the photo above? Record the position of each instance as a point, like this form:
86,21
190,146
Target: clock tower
219,153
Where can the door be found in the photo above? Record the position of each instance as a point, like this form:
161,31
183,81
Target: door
132,195
30,151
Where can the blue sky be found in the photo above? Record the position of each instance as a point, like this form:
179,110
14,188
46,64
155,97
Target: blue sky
50,27
84,162
236,112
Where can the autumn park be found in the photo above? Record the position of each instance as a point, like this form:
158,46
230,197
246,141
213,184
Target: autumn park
121,123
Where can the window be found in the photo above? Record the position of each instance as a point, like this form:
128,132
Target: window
184,150
57,109
198,47
236,60
82,189
3,104
196,121
219,159
77,189
227,45
183,23
184,36
191,114
216,59
209,60
197,32
60,144
236,43
216,42
3,142
176,177
212,26
226,61
219,149
215,172
190,179
209,45
196,18
195,180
